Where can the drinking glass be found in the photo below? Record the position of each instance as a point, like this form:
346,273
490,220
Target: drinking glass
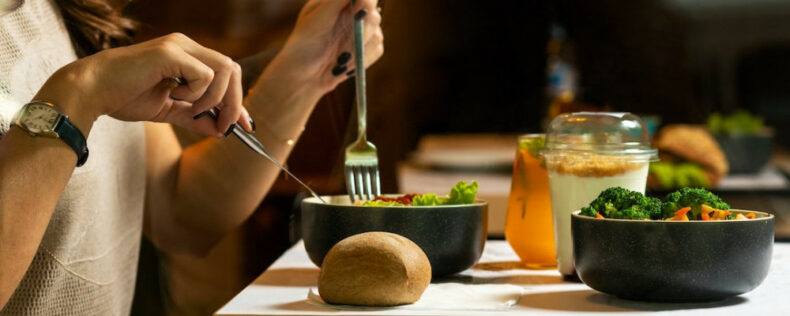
529,225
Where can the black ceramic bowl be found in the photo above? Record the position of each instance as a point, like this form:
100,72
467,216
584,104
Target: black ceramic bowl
746,153
664,261
452,236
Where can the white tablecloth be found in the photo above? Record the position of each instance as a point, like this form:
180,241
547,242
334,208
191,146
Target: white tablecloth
284,287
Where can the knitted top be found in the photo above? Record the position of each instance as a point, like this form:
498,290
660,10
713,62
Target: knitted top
87,261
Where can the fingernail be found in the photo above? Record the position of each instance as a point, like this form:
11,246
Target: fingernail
360,14
351,73
252,124
343,58
200,115
339,70
230,130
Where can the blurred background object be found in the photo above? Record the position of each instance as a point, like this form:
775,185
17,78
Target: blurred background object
744,138
454,70
689,157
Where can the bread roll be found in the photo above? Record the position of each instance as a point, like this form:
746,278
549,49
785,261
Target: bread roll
374,269
694,144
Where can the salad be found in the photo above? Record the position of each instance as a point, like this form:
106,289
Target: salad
461,193
687,204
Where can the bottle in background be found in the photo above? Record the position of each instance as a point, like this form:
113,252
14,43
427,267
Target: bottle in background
561,74
529,225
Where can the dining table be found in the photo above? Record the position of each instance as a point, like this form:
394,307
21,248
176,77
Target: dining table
497,285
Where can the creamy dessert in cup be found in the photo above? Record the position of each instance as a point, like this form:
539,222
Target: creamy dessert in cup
576,180
586,153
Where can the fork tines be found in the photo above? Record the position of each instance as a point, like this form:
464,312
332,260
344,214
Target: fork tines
362,181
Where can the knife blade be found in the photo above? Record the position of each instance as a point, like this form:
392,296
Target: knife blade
253,143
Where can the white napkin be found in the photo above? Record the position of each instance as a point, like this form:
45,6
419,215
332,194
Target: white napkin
449,297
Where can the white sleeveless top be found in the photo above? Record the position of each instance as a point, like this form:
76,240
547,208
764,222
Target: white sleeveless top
87,261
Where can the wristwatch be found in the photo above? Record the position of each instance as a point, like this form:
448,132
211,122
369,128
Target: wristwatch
39,118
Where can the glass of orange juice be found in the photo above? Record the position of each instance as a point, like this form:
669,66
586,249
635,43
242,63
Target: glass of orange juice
529,224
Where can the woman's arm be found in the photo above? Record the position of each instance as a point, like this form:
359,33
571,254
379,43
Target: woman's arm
200,193
130,83
252,66
33,173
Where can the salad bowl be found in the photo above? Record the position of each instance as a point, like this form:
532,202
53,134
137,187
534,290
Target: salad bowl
452,236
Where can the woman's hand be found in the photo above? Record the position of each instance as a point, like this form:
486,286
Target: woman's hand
136,83
320,47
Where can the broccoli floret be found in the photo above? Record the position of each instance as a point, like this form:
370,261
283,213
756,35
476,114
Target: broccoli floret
626,204
694,198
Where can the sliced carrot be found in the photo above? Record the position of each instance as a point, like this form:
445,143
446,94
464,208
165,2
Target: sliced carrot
751,215
682,212
706,211
721,215
680,215
598,216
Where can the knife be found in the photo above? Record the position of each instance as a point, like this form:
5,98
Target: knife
252,142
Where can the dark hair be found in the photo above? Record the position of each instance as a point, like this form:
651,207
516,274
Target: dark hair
95,25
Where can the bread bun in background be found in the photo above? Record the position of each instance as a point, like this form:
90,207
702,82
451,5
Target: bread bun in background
692,144
374,269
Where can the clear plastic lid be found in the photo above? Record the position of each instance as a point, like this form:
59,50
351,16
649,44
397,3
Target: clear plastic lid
601,133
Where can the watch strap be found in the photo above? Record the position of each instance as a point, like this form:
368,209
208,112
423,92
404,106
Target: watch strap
73,137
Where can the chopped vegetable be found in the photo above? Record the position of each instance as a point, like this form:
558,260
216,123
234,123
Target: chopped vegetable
461,193
688,204
405,199
382,203
622,203
721,215
694,198
705,215
428,199
681,214
682,211
599,216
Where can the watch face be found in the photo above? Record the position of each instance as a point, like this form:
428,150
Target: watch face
40,118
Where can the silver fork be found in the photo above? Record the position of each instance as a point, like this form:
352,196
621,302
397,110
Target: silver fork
362,162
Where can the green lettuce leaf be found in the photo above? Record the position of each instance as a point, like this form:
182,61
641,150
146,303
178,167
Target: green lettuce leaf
463,193
428,199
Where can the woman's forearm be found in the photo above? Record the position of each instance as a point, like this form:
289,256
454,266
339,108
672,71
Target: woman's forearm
253,66
214,185
219,183
33,174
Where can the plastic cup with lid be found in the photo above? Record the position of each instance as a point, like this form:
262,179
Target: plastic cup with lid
586,153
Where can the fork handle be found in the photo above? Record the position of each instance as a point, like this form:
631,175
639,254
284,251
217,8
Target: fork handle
360,78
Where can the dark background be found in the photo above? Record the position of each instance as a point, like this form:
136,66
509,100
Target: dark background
466,66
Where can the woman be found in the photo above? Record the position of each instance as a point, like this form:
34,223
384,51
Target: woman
69,236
